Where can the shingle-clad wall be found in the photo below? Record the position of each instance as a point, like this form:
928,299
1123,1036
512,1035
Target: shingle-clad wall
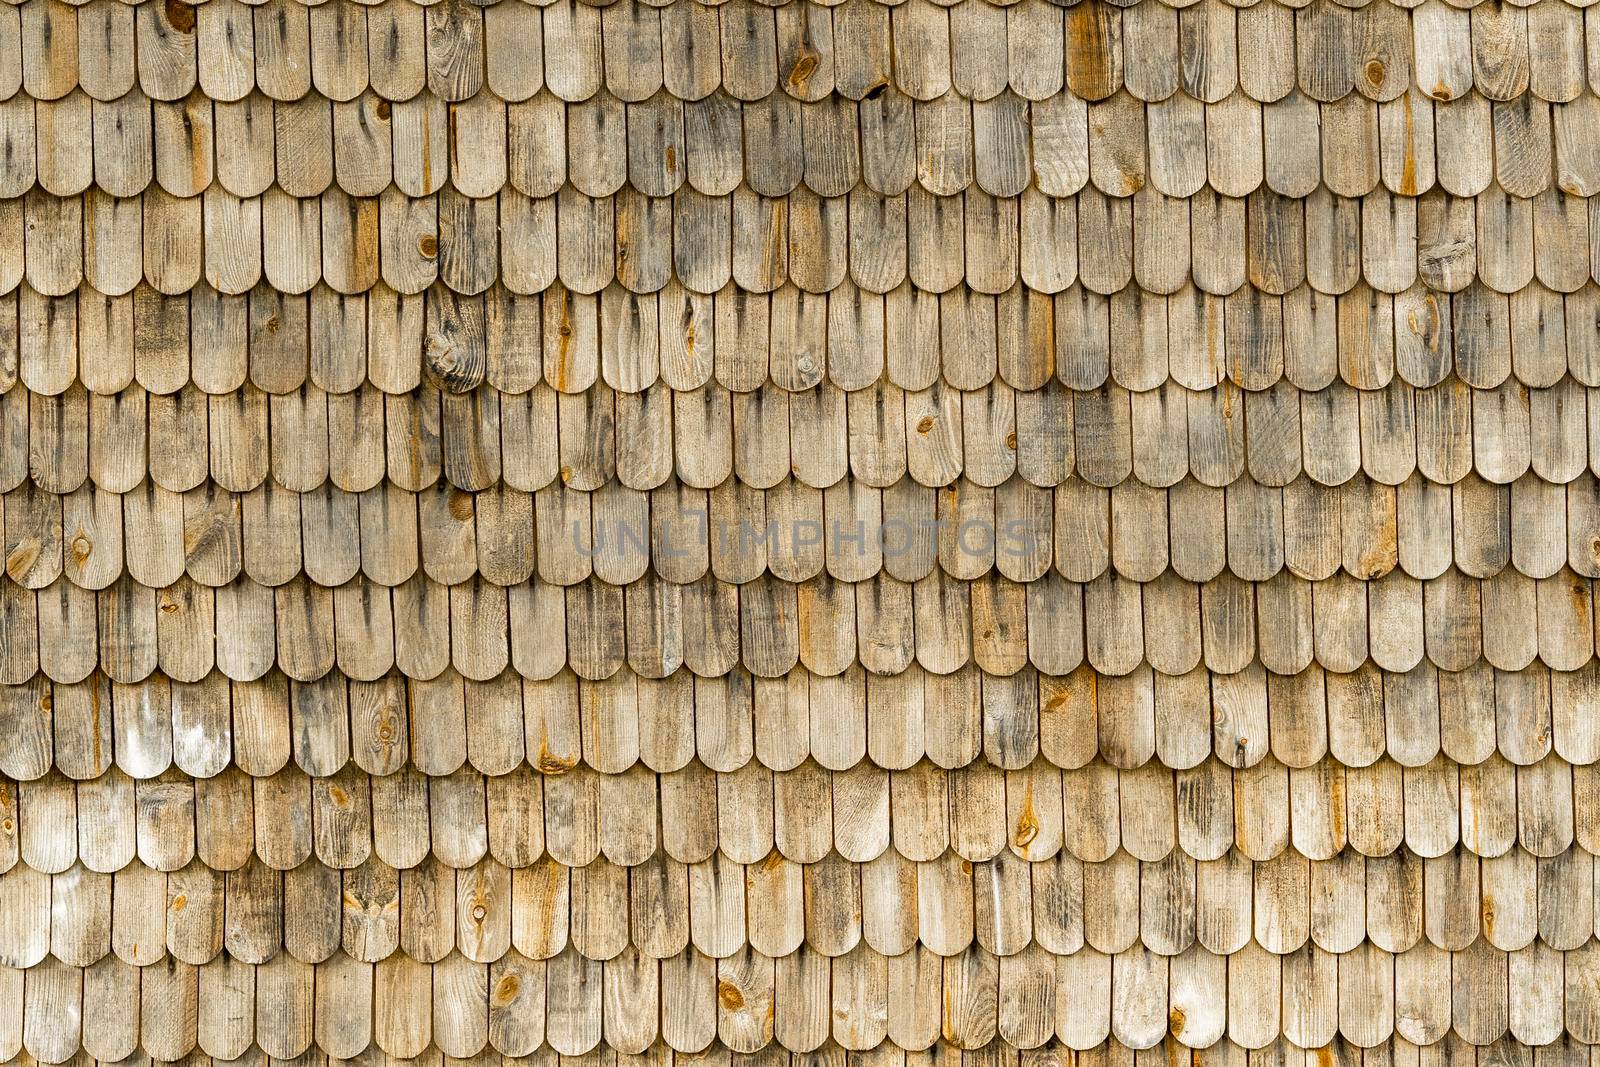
1058,536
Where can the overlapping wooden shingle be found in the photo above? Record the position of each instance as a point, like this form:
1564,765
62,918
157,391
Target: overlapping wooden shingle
769,532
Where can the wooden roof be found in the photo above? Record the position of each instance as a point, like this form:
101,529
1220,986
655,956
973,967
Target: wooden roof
800,535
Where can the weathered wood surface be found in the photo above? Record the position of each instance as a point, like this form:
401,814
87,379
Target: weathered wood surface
882,530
